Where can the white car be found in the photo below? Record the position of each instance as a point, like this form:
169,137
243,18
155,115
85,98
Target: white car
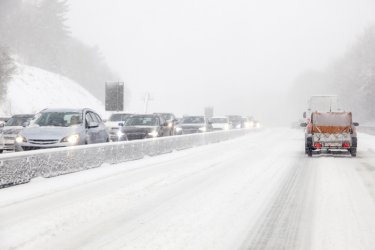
220,123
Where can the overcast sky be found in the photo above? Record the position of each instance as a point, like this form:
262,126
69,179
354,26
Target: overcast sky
239,56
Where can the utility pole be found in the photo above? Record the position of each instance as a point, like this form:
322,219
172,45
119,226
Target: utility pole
147,100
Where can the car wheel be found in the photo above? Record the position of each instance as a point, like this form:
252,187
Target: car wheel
1,151
353,152
309,152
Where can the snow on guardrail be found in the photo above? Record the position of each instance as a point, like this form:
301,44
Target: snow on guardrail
21,167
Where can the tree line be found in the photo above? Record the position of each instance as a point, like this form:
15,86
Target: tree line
351,77
35,33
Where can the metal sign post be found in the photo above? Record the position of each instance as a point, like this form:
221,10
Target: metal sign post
114,96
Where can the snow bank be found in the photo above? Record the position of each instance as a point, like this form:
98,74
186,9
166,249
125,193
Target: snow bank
32,89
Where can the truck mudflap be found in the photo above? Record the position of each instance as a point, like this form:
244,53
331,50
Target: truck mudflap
332,141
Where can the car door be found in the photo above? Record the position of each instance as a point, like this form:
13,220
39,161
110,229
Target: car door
102,129
91,133
164,129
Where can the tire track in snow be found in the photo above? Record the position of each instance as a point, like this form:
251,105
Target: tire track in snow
284,225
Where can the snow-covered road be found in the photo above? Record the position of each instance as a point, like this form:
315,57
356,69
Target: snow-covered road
256,192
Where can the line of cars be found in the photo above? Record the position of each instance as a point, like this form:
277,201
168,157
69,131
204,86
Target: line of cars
53,128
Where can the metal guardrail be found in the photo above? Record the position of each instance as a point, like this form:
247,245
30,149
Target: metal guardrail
21,167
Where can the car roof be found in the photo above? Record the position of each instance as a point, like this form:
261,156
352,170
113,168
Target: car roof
23,115
65,110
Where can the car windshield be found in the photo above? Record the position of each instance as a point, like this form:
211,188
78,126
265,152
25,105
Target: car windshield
167,117
193,120
58,119
219,120
142,121
119,117
18,121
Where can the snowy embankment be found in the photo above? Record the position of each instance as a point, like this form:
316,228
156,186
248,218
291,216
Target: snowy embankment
258,191
32,89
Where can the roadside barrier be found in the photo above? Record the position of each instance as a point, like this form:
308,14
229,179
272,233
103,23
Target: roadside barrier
21,167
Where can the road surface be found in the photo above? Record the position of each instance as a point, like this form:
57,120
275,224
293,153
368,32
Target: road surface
256,192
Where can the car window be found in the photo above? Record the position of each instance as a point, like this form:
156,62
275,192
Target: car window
57,119
94,118
17,121
142,121
98,118
193,120
88,118
219,120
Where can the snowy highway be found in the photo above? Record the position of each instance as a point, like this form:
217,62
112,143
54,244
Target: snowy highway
258,191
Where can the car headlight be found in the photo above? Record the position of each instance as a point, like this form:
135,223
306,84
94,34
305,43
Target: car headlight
20,139
72,139
170,124
178,129
153,133
120,133
203,129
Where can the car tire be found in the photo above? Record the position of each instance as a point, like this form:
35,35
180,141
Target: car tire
1,151
309,152
353,152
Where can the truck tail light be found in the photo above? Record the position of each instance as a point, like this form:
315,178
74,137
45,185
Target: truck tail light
317,145
346,145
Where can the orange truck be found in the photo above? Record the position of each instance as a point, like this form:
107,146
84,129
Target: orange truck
330,131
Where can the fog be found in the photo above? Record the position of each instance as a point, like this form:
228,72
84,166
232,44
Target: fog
239,56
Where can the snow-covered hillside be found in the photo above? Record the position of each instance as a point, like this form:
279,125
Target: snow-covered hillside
32,89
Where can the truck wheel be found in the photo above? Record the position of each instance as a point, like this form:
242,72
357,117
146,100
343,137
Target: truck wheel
353,152
309,152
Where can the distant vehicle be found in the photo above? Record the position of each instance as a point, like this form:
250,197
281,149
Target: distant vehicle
172,121
220,123
329,131
139,127
193,124
236,121
53,128
115,121
3,120
10,129
248,122
321,103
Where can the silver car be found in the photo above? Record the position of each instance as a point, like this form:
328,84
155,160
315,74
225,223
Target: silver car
53,128
10,129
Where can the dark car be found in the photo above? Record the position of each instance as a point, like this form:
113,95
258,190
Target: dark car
193,124
171,119
236,121
139,127
114,123
10,129
53,128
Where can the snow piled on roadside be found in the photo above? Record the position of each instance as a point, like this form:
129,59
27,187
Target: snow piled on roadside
32,89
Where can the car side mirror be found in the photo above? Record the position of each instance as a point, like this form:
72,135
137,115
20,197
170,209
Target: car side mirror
121,124
303,124
105,120
165,124
25,124
356,124
93,124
